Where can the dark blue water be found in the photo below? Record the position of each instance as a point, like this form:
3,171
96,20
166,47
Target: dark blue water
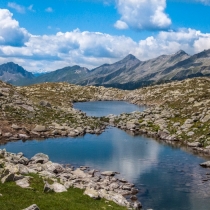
104,108
168,178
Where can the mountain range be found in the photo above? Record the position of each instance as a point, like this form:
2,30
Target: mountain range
128,73
13,73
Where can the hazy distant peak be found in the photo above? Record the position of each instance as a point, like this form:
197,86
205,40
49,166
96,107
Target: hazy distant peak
12,64
129,57
203,54
181,52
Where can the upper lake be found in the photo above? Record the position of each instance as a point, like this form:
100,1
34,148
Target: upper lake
168,178
104,108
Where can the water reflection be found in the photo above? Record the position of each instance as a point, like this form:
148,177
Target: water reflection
168,178
104,108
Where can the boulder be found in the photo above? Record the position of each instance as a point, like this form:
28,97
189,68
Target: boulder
27,107
23,160
12,168
47,174
136,205
206,118
16,127
45,103
191,133
186,126
7,135
40,158
72,134
32,207
194,144
24,183
8,178
205,164
130,125
53,167
40,128
48,188
23,136
55,187
18,177
108,173
79,173
58,188
92,193
119,199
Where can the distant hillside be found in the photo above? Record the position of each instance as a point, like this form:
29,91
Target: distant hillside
67,74
128,73
11,73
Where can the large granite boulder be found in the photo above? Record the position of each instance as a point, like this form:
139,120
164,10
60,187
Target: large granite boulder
40,158
92,193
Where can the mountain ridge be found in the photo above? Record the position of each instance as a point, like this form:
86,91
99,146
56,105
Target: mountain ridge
130,72
11,72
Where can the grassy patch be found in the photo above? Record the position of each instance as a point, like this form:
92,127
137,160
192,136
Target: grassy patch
15,197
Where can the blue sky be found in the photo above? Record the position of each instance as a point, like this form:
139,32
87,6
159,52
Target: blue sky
44,35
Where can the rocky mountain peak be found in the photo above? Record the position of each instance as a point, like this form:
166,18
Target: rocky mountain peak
180,52
11,67
11,72
129,57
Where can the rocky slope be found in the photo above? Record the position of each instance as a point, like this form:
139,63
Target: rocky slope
11,72
129,73
177,111
46,110
68,74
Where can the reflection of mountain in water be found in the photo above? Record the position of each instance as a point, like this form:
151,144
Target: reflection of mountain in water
132,156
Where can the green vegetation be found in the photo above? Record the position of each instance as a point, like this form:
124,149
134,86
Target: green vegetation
15,197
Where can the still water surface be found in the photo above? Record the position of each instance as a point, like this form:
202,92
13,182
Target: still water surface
104,108
168,178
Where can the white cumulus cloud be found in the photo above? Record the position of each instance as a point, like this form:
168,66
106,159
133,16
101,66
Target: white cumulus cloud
85,48
143,14
121,25
170,42
10,32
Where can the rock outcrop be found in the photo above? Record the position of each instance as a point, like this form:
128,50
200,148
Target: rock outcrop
95,184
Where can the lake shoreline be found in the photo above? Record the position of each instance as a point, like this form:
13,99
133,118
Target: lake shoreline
176,111
97,185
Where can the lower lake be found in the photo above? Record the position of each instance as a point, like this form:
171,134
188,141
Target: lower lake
168,178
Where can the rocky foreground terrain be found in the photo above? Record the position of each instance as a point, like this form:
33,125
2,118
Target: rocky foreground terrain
59,178
177,111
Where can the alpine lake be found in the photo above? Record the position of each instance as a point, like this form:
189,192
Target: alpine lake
168,177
